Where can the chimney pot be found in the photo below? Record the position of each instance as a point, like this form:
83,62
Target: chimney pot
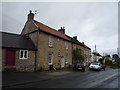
30,11
62,30
75,37
83,43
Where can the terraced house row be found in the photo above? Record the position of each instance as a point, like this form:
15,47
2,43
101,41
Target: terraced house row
38,47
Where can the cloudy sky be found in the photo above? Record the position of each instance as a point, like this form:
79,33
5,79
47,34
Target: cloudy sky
95,23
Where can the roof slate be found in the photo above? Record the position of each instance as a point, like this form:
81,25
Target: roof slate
17,41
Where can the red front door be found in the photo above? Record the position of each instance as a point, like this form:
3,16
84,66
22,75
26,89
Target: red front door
10,57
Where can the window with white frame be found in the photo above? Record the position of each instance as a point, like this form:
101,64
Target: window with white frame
66,59
23,54
50,41
66,44
59,52
84,52
50,58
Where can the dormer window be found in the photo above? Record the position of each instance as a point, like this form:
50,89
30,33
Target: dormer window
50,41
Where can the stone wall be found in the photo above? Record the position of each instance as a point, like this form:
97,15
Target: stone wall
44,49
25,64
29,27
20,64
85,52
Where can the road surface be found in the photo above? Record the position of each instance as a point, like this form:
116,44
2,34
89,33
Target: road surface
78,79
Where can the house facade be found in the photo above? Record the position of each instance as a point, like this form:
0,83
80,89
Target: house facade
54,48
95,56
86,51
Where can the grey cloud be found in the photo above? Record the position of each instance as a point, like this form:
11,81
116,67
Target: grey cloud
93,23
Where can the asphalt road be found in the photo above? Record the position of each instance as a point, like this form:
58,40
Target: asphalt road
77,79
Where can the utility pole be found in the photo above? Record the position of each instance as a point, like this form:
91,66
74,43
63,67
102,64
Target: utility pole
95,48
95,53
118,52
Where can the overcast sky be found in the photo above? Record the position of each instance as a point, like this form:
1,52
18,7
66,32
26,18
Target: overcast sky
95,23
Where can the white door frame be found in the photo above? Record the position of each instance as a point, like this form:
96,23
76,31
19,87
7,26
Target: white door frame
62,62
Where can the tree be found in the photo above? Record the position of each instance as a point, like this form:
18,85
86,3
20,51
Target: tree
101,60
77,55
117,59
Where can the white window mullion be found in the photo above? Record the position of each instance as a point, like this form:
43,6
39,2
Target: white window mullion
50,58
23,54
50,41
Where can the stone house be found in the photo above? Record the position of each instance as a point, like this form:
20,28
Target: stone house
86,51
18,52
54,48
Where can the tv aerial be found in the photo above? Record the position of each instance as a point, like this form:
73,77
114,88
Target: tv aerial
36,11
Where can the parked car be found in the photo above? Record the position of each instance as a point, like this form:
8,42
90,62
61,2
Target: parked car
79,66
96,66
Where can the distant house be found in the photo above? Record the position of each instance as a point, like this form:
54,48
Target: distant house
116,58
18,52
95,56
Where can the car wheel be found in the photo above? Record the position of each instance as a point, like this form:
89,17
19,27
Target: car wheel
83,70
73,68
104,69
89,69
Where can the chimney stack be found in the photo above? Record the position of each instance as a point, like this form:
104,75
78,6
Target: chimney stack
83,43
62,30
75,37
30,15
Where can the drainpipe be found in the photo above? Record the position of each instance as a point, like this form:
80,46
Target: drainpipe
35,61
72,54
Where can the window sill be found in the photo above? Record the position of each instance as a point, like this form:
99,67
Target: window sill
50,46
23,58
50,64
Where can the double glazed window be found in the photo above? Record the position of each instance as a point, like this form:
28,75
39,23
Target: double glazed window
66,44
23,54
50,58
66,59
50,41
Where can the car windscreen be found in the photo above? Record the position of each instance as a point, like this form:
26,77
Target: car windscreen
80,64
94,63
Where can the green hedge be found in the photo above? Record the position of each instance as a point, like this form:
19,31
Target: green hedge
115,67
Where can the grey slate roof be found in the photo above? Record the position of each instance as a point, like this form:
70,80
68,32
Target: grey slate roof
17,41
77,42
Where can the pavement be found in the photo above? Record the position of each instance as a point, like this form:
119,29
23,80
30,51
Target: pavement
19,78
